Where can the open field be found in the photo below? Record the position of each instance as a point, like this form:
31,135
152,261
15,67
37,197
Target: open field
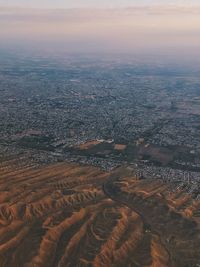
72,215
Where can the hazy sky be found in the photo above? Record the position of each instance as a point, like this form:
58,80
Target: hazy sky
170,30
92,3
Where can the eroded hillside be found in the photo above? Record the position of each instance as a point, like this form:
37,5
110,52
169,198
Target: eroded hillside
70,215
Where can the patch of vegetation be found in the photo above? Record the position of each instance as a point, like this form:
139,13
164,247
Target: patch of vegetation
36,142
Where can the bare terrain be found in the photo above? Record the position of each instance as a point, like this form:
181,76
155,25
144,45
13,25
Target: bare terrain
63,214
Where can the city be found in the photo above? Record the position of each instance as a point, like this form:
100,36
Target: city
128,114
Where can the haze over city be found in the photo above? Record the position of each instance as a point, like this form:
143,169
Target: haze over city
148,27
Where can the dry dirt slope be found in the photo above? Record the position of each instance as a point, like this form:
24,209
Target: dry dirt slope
68,215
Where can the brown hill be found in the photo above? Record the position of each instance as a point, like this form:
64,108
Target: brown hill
68,215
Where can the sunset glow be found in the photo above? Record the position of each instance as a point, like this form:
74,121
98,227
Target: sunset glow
137,29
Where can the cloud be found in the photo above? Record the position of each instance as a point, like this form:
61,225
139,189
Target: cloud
85,30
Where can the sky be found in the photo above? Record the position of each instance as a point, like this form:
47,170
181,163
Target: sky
92,3
148,28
